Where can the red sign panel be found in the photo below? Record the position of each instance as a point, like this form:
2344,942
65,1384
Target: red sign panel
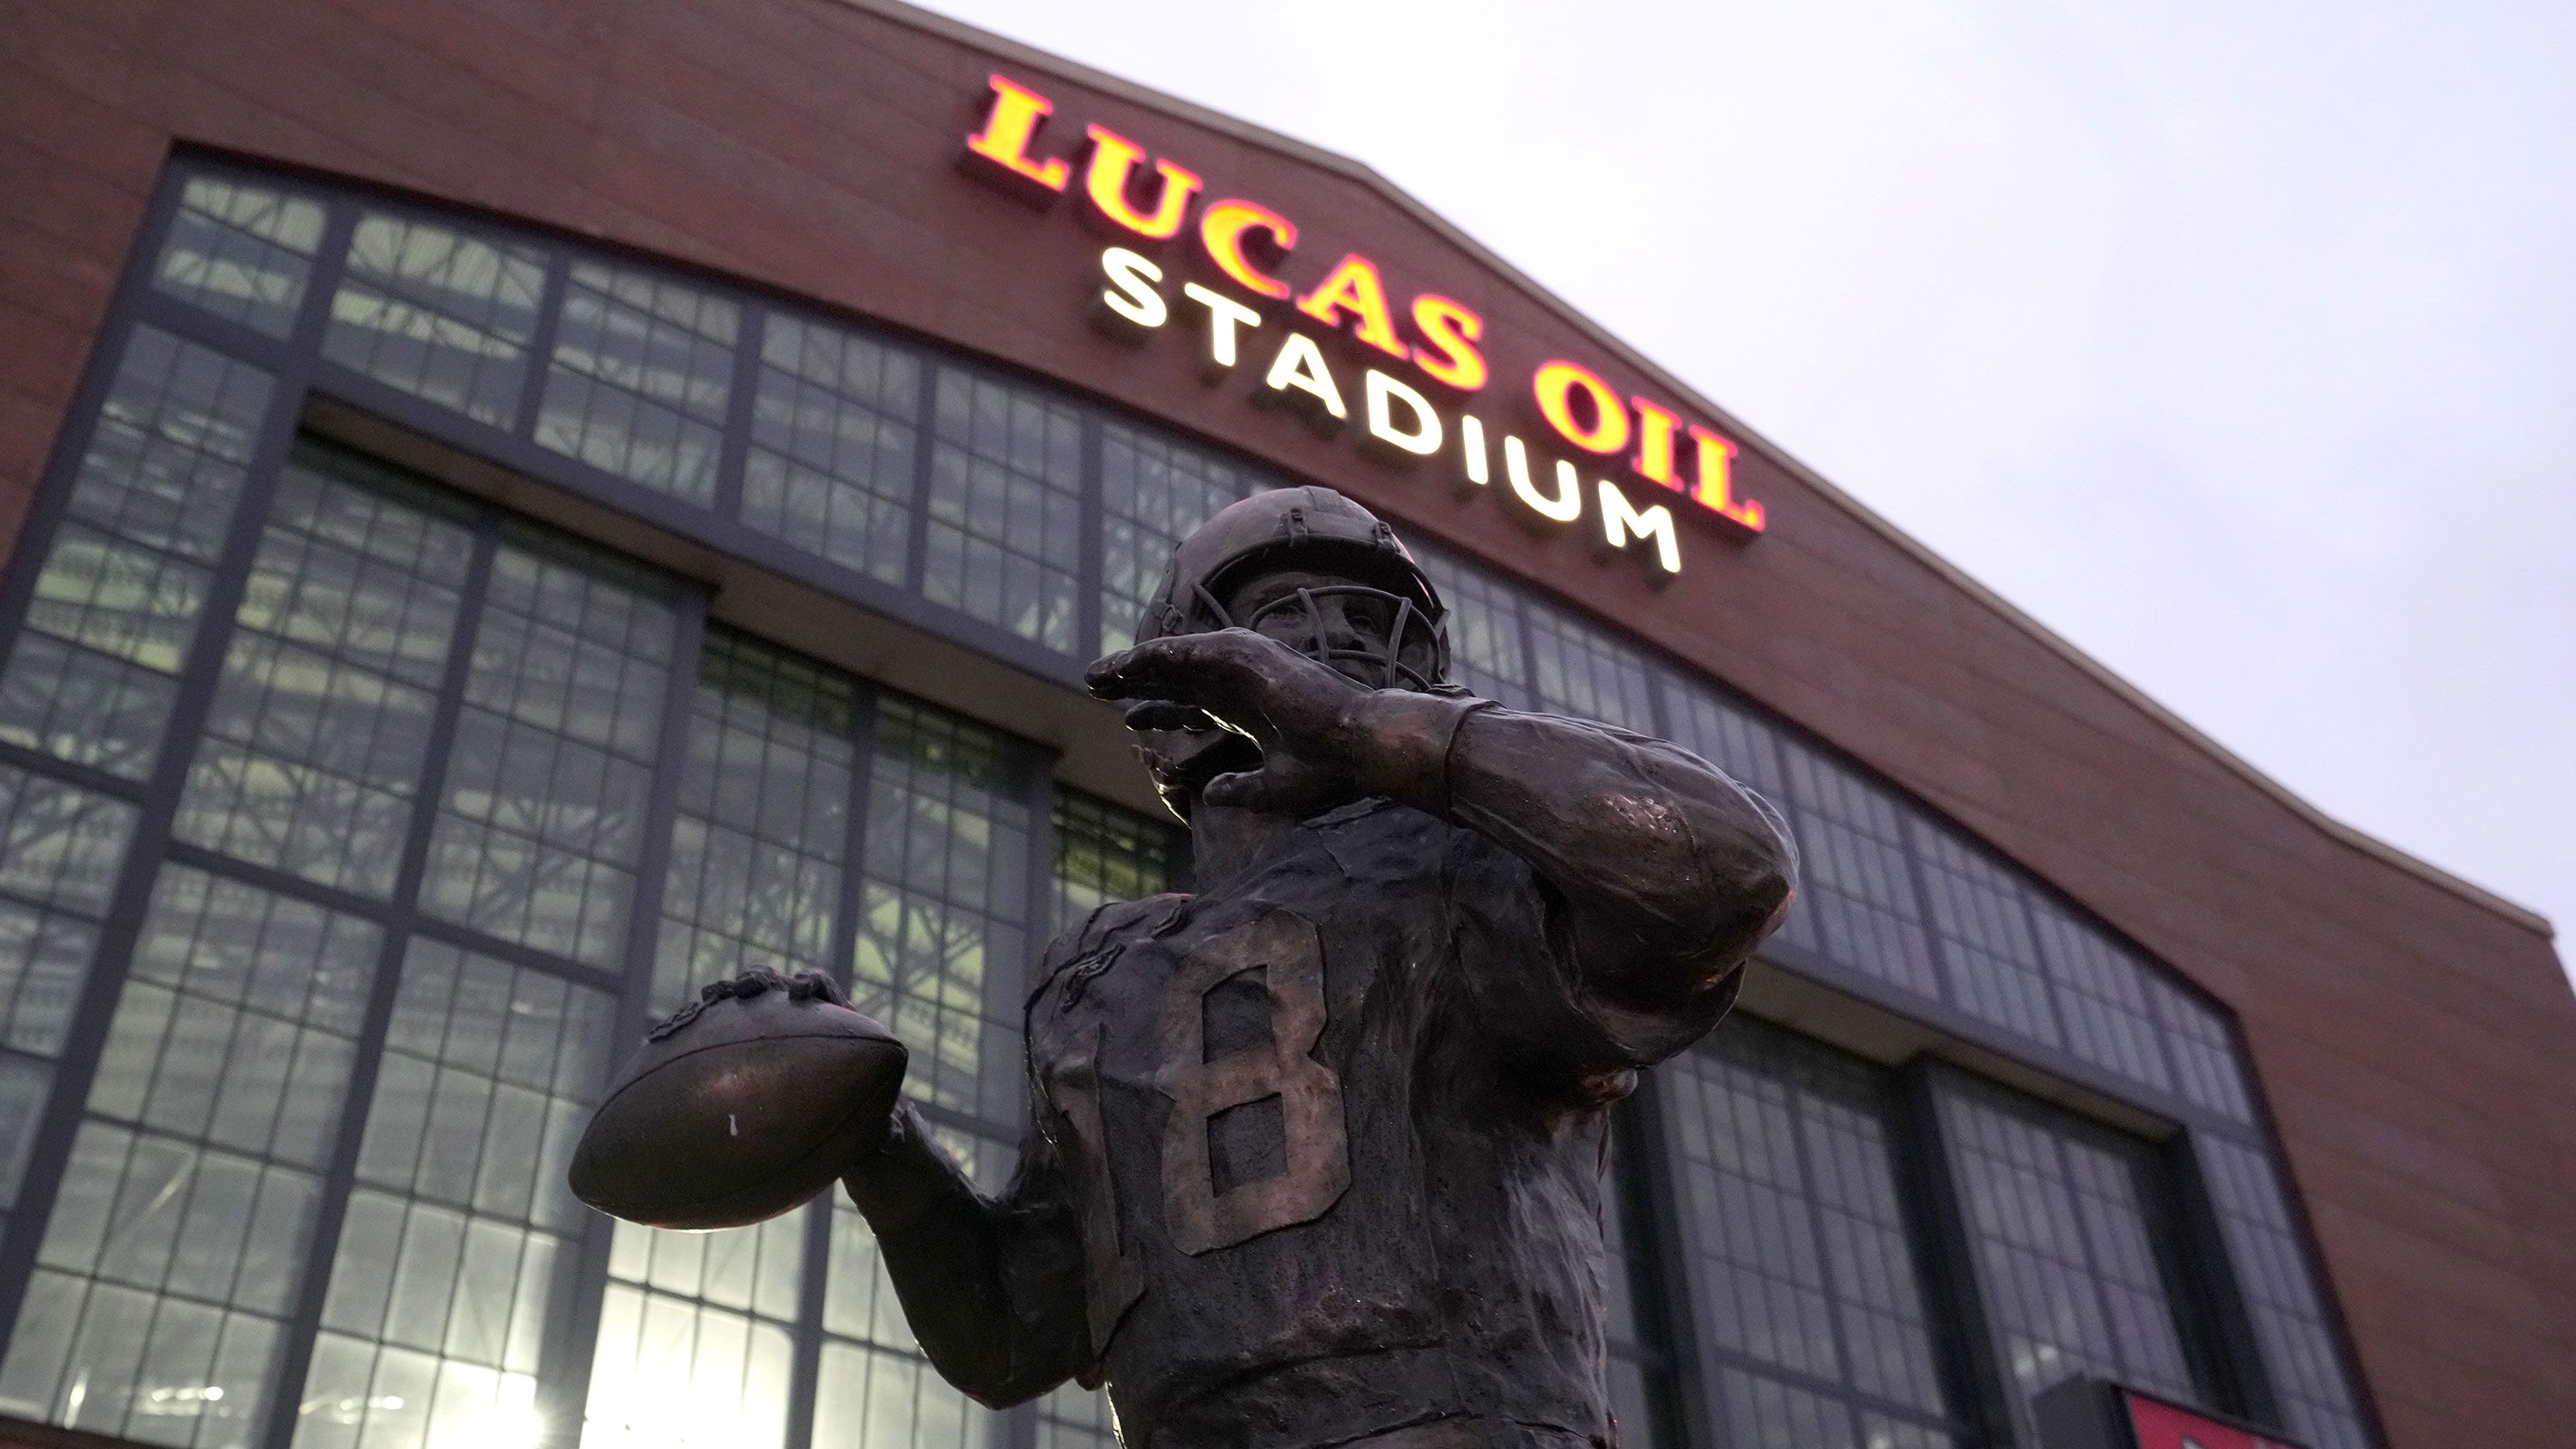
2159,1425
2092,1413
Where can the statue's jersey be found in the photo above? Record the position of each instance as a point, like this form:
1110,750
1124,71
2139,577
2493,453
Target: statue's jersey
1332,1133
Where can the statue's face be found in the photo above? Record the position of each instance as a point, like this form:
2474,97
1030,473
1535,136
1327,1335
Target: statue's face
1343,623
1373,637
1339,621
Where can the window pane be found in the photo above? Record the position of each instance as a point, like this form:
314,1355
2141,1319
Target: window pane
1766,1413
875,1398
2063,1229
1104,854
763,828
456,1237
2204,1052
1005,505
1154,493
1787,1188
241,251
440,314
543,818
696,1337
833,443
125,578
876,1390
1073,1417
1584,671
943,932
320,723
1855,881
642,370
186,1211
2102,994
1485,652
60,852
1744,744
1978,909
1640,1362
2303,1363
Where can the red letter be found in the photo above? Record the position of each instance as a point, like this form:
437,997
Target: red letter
1352,286
1113,160
1008,128
1221,229
1452,330
1716,489
1554,384
1655,444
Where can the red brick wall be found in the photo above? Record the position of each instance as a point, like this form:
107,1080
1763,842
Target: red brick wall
2419,1050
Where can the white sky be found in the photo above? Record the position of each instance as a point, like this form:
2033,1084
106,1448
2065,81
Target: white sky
2236,343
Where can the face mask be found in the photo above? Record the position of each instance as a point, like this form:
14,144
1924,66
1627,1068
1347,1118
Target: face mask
1363,633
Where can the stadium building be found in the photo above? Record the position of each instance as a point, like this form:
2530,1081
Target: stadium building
514,509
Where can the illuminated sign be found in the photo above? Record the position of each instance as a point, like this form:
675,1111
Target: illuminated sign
1269,332
2088,1413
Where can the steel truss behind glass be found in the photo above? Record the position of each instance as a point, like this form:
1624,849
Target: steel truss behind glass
346,825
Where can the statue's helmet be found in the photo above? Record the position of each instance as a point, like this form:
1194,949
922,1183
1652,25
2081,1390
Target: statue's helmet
1318,531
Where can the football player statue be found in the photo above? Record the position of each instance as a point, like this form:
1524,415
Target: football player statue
1315,1148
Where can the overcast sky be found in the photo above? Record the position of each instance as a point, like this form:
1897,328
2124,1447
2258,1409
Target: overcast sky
2236,343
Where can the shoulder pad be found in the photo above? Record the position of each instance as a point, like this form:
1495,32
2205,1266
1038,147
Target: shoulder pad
1098,932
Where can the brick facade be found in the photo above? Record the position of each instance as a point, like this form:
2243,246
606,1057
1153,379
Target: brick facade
2417,1045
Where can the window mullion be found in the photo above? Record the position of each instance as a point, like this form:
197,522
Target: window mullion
564,1366
750,331
340,1173
1677,1304
1019,1424
1695,1356
541,343
68,1095
805,1371
1798,1106
1091,525
2226,1342
1974,1364
916,551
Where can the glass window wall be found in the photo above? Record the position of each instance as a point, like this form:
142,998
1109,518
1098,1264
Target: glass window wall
429,723
92,672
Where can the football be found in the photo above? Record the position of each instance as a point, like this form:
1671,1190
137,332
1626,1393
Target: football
743,1106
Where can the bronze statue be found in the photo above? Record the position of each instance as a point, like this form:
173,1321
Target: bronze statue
1314,1153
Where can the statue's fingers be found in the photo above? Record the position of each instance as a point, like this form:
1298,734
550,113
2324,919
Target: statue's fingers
1197,669
1244,790
1283,784
1136,673
1165,714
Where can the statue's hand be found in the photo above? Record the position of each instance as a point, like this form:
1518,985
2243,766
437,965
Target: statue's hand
1297,710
